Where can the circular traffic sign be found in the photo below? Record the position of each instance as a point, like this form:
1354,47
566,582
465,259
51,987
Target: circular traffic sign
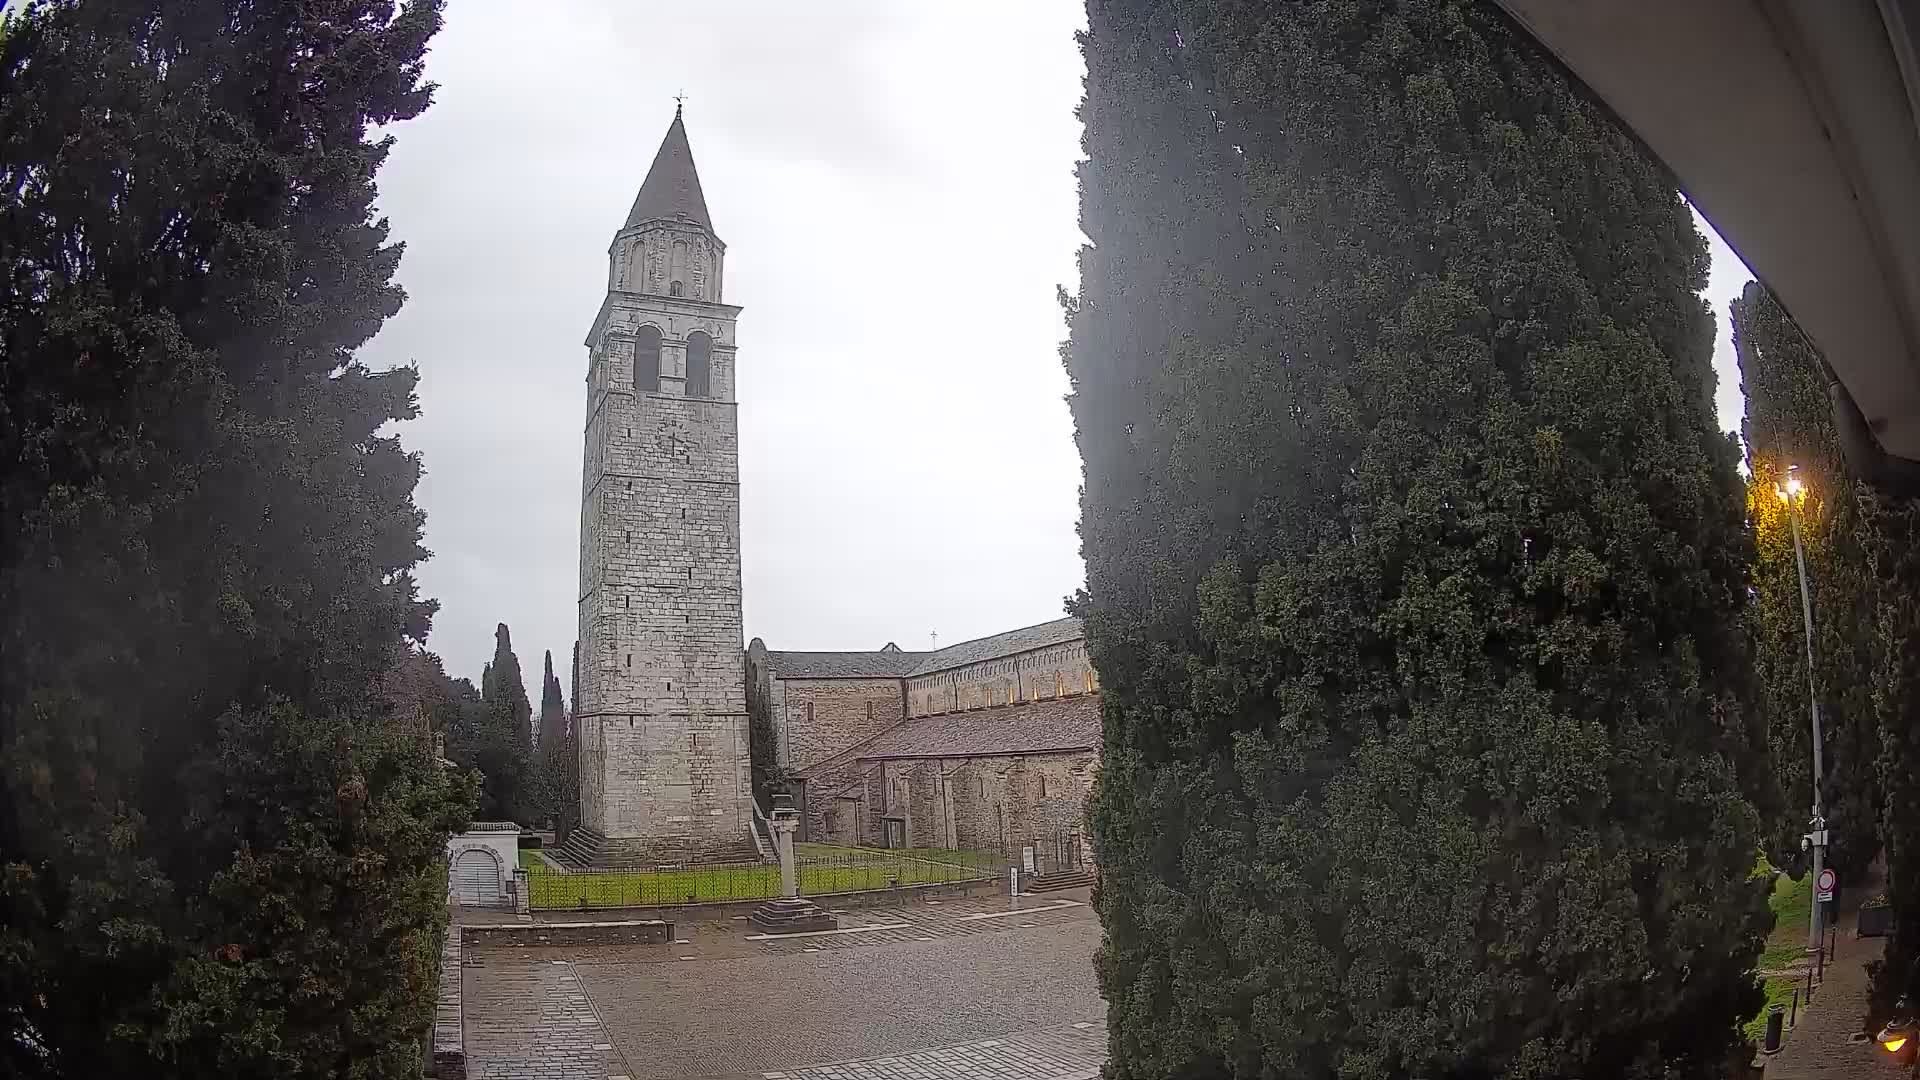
1827,880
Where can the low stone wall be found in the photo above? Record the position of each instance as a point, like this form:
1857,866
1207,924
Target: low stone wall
612,932
449,1058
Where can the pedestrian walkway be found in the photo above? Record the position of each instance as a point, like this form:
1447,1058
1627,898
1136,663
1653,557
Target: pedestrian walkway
533,1021
931,920
1073,1053
1827,1043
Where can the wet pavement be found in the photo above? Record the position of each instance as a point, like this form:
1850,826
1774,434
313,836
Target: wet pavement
964,987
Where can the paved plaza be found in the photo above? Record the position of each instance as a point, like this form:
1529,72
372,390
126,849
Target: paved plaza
968,988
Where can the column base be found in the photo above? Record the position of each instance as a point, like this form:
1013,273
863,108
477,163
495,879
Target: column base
792,915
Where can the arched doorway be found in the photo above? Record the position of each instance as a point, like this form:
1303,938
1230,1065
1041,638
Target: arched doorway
476,878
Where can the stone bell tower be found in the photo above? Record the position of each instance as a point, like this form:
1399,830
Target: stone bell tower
662,722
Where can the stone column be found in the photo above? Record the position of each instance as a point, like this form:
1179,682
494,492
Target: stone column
791,913
784,822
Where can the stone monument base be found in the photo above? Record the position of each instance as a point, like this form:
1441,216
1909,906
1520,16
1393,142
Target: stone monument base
792,915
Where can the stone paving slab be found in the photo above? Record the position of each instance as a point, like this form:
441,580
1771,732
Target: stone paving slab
1071,1053
785,1011
532,1020
927,923
735,938
944,981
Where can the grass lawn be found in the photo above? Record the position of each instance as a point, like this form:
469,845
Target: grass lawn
1792,904
1778,992
823,869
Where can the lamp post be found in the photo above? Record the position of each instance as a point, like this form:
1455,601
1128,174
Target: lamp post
1791,494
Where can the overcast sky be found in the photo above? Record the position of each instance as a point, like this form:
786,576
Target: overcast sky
894,183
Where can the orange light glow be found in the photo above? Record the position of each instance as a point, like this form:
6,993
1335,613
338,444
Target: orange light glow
1894,1044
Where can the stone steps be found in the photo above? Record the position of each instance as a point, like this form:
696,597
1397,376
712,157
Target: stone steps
582,849
1055,880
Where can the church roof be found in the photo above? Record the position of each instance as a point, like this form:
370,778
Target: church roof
883,664
672,187
1048,726
893,663
987,648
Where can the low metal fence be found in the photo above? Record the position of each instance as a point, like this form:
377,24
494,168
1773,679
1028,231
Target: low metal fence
820,871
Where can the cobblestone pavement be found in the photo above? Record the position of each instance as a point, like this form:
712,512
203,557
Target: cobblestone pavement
879,926
935,990
1072,1053
530,1020
1828,1041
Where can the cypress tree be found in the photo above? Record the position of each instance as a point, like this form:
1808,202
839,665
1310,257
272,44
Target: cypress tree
1865,581
220,856
553,708
1415,561
1789,423
505,692
495,736
1892,541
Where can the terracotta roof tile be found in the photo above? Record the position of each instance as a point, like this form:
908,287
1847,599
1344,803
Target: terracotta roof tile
1052,725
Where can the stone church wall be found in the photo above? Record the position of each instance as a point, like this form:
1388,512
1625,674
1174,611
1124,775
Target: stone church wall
996,804
814,719
1027,676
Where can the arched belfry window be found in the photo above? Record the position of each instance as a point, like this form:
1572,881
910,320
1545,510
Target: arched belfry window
677,288
646,360
699,365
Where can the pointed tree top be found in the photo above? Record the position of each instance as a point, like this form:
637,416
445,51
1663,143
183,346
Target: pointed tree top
672,187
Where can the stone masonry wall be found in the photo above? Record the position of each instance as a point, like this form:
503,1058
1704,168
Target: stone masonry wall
997,804
664,745
815,719
1028,676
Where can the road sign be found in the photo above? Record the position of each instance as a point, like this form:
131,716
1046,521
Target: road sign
1823,888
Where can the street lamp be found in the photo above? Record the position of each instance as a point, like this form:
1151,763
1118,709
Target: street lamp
1791,494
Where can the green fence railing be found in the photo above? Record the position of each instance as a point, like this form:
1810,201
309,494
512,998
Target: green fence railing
820,871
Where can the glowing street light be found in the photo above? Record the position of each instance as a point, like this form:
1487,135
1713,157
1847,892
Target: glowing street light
1815,841
1791,491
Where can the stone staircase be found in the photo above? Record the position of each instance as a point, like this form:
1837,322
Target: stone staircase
763,835
582,849
1056,880
586,849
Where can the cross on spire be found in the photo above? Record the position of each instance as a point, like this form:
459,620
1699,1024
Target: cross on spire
679,100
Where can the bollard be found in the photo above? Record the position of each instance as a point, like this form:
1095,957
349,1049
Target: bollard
1776,1015
1793,1015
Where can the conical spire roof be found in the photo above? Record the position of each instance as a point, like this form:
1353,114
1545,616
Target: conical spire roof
672,187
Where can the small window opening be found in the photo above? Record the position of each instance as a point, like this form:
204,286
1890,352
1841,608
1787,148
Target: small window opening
677,289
